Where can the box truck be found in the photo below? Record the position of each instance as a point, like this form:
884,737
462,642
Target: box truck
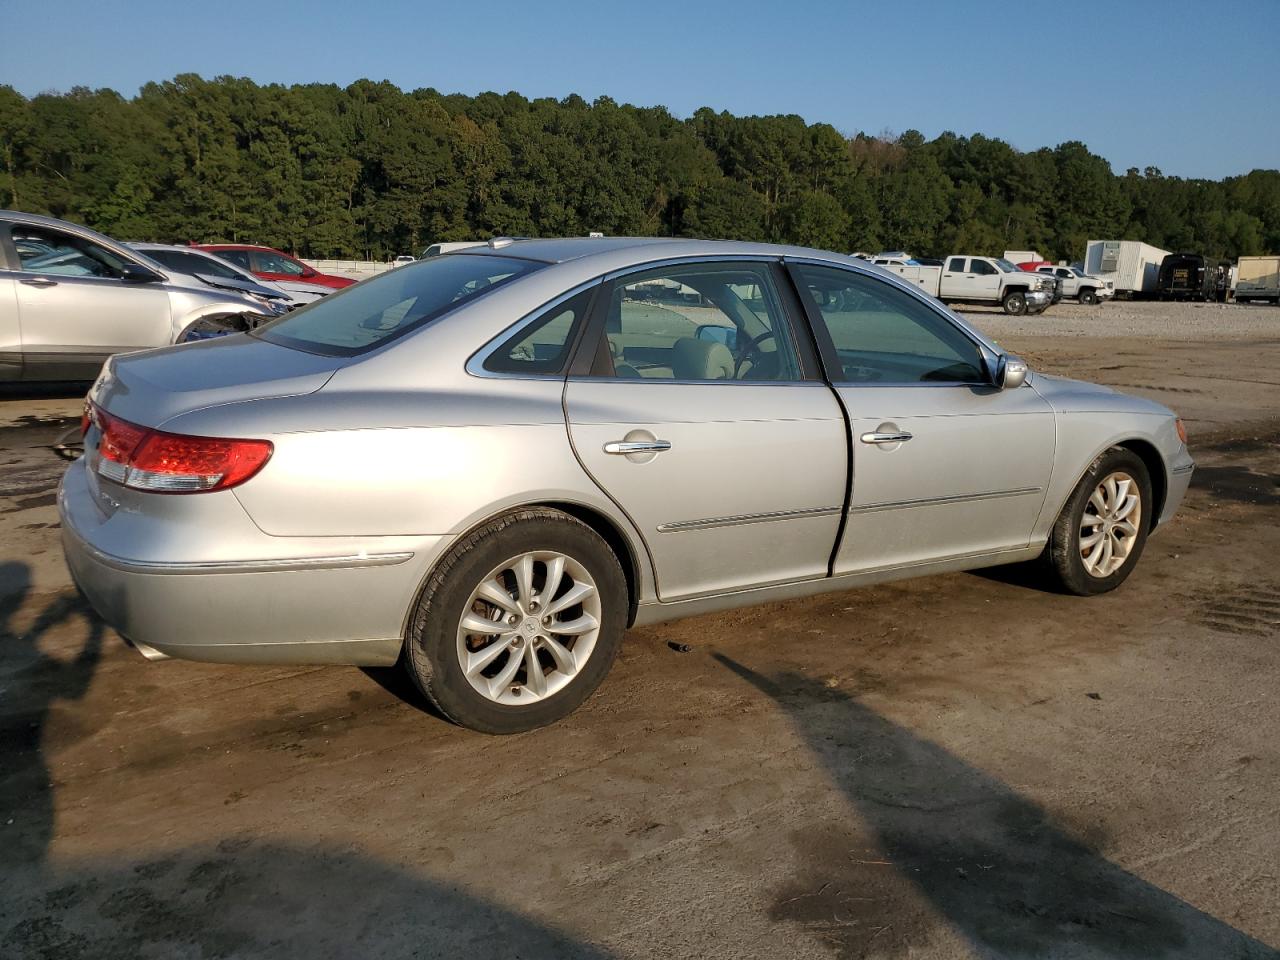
1132,267
1258,278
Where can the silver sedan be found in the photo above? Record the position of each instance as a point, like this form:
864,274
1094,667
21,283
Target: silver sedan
489,464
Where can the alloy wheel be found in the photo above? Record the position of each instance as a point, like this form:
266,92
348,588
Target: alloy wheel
1109,527
529,628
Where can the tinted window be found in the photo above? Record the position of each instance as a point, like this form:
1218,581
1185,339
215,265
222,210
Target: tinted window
718,321
542,347
1064,273
981,268
192,263
885,335
955,265
393,303
264,261
59,254
240,257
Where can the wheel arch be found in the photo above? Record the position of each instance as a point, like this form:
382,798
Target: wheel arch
606,527
1154,462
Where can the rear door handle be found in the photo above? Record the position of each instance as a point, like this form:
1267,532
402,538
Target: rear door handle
624,447
38,281
900,437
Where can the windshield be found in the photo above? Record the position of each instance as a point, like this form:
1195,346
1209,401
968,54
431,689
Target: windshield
1077,271
392,304
1005,265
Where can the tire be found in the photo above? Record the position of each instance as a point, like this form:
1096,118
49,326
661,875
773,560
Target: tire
437,639
1014,303
1088,297
1064,552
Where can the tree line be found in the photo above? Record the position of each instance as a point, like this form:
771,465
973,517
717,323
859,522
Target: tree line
370,171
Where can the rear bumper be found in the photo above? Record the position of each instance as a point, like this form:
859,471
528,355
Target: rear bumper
295,604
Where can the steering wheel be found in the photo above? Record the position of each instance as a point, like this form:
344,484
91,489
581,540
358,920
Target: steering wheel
751,349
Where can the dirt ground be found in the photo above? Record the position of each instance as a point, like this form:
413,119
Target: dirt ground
961,766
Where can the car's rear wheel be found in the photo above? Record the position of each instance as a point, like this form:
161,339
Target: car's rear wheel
1015,304
519,623
1088,297
1100,534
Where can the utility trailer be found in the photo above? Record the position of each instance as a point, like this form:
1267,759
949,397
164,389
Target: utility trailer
1132,266
1258,278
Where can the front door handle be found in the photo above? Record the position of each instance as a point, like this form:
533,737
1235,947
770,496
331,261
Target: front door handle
38,281
900,437
624,447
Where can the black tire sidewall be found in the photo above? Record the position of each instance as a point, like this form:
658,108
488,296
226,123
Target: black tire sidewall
431,645
1015,304
1065,540
1089,298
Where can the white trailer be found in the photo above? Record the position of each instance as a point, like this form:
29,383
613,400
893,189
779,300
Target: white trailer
1133,267
1258,278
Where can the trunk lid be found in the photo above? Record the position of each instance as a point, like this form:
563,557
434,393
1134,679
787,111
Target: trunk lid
152,387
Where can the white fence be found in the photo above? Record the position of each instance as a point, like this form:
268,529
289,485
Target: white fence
355,269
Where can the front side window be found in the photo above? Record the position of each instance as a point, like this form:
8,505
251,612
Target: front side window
541,348
1066,274
982,268
956,265
390,305
711,321
264,261
54,253
882,334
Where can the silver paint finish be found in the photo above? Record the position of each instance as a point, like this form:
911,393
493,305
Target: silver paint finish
404,449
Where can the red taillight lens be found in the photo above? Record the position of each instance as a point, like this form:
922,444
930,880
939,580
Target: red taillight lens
172,463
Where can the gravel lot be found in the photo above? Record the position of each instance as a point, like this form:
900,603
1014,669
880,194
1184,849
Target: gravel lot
961,766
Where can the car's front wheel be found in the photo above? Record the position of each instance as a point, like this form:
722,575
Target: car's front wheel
1088,297
1099,536
1015,304
519,623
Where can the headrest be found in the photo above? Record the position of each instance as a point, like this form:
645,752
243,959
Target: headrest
701,360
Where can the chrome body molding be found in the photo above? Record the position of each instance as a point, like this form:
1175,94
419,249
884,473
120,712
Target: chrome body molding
771,517
931,501
248,566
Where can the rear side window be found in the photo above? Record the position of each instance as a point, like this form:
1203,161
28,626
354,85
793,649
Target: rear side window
542,347
390,305
956,265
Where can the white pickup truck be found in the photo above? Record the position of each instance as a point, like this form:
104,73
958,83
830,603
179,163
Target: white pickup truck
993,280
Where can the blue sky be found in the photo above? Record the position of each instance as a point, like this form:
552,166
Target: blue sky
1190,87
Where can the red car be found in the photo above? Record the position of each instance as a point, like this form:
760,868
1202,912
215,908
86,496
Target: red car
1031,266
272,264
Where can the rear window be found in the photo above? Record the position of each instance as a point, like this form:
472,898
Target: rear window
371,313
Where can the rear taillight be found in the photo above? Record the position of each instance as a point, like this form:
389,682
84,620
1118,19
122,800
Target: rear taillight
162,462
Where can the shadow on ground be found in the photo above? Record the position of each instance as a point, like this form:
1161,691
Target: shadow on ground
989,862
238,898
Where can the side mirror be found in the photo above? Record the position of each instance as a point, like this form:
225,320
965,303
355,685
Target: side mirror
308,272
137,273
1011,372
717,334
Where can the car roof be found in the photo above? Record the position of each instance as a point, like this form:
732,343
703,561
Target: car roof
626,251
236,246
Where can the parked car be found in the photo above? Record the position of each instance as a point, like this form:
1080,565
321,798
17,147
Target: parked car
991,280
216,272
1075,283
269,264
403,260
493,462
71,297
436,249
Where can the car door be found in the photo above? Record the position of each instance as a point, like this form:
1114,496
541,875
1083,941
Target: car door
956,280
945,465
74,310
10,335
702,415
1070,282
